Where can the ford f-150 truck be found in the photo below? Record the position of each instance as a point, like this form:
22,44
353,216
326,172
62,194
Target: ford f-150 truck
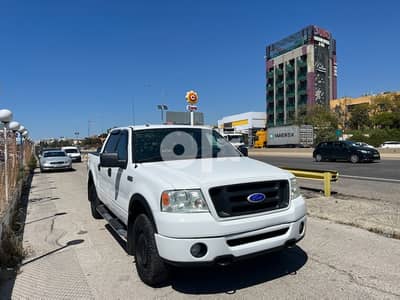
183,195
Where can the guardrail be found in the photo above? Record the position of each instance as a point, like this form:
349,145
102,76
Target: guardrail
327,176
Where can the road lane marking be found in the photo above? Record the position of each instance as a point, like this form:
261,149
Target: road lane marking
370,178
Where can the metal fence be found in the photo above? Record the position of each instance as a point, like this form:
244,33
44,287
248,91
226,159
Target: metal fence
19,153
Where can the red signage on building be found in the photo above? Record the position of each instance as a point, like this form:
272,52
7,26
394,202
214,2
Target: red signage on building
322,33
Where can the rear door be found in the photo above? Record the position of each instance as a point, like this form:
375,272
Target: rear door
104,181
325,150
118,194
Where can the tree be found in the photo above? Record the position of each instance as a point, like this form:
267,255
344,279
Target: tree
385,111
324,122
359,118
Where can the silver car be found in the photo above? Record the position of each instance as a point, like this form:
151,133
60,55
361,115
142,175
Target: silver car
55,160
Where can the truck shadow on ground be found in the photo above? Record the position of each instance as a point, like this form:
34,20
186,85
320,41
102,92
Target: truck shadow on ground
239,275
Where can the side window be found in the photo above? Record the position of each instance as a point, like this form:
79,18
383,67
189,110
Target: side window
337,145
112,143
122,148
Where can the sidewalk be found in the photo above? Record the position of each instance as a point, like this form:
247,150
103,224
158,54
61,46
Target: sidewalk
43,272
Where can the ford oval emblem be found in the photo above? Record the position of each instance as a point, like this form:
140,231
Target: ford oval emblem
256,198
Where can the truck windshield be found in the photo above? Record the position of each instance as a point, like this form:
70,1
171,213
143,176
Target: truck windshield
165,144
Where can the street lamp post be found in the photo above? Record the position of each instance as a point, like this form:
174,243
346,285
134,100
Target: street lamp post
15,126
23,135
5,118
162,107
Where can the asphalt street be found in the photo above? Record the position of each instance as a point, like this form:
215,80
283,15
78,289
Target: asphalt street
384,169
74,256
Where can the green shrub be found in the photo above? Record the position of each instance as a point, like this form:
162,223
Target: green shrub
32,163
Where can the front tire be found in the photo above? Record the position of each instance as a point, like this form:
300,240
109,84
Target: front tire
151,268
94,202
354,158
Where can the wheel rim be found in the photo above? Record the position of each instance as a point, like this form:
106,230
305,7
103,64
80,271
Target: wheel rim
354,158
141,252
319,157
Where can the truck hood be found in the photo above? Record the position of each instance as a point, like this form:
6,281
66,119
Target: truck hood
184,174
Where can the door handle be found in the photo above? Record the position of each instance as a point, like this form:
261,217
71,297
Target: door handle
109,172
98,167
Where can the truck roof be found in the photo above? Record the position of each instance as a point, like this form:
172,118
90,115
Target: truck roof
160,126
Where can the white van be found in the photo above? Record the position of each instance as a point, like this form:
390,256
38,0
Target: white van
73,152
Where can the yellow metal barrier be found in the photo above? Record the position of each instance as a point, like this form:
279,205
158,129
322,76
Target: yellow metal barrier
326,175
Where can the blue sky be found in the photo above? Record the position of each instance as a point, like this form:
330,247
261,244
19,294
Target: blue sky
63,63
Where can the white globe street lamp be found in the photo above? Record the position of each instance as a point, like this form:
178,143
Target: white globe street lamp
14,126
5,117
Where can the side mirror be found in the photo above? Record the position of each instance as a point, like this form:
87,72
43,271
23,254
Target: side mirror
110,160
244,150
98,150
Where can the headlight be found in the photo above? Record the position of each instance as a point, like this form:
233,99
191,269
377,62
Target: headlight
294,189
364,151
183,201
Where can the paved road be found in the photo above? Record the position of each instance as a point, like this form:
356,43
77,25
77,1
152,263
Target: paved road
333,261
385,169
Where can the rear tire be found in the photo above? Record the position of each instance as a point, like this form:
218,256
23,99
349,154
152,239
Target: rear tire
151,268
94,202
318,157
354,158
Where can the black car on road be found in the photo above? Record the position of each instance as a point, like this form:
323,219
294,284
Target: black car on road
344,150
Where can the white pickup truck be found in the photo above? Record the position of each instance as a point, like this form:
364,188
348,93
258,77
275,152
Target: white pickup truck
183,195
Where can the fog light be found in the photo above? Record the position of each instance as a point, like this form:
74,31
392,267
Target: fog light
301,228
198,250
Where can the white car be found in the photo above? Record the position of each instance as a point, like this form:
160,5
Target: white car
54,160
391,144
73,152
184,195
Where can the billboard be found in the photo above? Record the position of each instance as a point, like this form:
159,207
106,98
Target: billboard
183,118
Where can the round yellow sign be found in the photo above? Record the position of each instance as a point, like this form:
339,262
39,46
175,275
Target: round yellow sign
192,97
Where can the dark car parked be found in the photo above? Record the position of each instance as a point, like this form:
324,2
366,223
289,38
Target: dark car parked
344,150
